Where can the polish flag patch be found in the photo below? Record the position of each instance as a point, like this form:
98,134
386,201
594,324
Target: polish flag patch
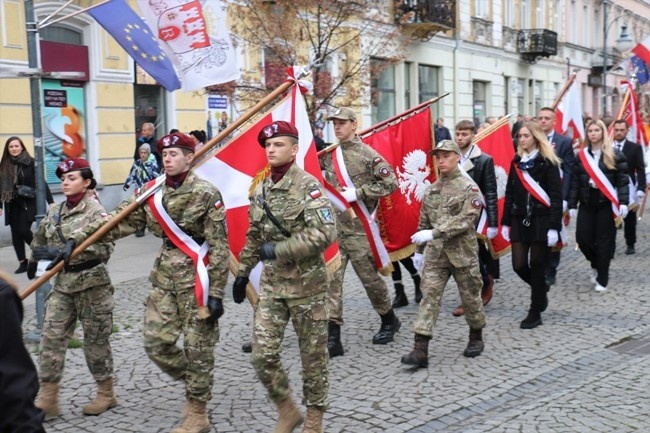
218,204
315,194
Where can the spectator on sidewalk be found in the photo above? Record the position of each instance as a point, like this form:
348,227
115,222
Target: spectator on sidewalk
143,170
440,131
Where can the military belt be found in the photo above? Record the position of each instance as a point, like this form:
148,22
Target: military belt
82,266
169,245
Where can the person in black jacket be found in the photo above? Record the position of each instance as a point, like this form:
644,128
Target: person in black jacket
602,204
532,217
17,168
147,135
480,167
18,378
636,168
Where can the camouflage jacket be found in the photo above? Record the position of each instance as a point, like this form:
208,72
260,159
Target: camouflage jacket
372,176
451,208
87,211
299,204
198,209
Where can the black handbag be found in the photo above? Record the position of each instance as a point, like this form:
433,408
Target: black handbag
25,191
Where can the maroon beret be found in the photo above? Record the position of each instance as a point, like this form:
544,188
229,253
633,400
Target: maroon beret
279,128
177,139
71,164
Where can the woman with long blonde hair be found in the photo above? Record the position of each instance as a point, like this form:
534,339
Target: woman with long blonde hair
600,185
532,217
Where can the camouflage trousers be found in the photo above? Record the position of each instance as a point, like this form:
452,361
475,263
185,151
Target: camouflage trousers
94,309
168,313
309,318
356,249
434,279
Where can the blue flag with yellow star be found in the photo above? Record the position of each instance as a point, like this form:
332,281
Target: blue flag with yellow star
130,31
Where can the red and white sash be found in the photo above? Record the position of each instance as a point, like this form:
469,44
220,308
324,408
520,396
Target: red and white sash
598,177
379,252
482,226
184,242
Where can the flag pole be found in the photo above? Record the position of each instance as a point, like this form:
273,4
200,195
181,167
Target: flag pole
116,219
565,89
383,123
45,22
489,130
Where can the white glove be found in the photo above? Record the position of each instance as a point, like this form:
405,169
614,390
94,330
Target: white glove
418,262
505,233
640,195
565,206
552,237
422,236
492,232
623,211
350,194
573,213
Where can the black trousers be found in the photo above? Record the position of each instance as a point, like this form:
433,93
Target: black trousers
629,227
529,261
21,234
397,272
595,234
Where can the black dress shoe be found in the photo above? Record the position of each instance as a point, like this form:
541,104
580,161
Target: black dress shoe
22,268
247,347
139,233
629,250
533,320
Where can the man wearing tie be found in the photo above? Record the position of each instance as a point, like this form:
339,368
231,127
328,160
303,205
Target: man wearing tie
564,150
636,167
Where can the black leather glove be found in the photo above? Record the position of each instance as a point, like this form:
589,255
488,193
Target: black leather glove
64,254
125,187
267,251
215,305
239,289
31,269
45,252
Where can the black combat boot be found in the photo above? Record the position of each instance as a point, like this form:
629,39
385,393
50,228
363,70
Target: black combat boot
334,346
418,292
419,356
533,320
390,324
247,347
475,345
400,297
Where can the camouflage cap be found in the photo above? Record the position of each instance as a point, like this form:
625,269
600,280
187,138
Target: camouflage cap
446,145
343,113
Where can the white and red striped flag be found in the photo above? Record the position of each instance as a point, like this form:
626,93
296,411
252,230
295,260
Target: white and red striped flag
568,115
195,36
630,113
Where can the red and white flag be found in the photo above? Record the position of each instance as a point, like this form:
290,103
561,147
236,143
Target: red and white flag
196,38
239,165
405,146
630,113
498,144
643,50
568,115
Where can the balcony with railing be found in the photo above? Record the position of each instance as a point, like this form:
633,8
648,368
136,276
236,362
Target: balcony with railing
423,18
533,44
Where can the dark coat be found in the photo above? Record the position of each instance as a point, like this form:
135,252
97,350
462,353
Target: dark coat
20,208
153,144
441,133
564,150
635,164
483,175
518,199
18,378
583,193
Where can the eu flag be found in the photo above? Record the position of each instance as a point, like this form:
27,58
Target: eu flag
641,68
128,29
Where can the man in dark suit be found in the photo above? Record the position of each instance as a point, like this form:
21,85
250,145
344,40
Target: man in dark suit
564,150
440,131
636,168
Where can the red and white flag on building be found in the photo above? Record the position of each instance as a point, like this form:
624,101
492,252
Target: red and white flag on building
568,115
497,143
405,146
196,38
630,113
239,165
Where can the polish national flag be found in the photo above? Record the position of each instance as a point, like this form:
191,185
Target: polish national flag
568,115
643,50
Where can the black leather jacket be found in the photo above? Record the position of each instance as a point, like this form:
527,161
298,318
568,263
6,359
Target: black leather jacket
483,175
520,202
588,196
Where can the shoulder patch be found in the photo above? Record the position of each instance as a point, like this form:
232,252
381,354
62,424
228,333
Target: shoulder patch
384,172
325,215
315,193
474,188
476,203
377,160
218,204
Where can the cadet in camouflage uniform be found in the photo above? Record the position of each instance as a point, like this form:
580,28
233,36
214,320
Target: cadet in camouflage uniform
196,206
373,178
294,282
81,291
447,226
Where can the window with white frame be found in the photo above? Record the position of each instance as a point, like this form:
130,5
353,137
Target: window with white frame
482,8
428,85
382,80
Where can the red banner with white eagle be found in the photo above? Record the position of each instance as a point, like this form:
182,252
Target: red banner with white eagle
405,145
496,141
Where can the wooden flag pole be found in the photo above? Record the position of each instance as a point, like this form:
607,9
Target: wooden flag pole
489,130
565,89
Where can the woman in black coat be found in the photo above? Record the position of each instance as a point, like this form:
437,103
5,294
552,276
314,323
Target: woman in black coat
17,168
532,217
597,219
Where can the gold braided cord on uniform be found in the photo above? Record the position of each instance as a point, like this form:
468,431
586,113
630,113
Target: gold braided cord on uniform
402,253
259,178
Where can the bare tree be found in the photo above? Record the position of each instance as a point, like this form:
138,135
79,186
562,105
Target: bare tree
345,34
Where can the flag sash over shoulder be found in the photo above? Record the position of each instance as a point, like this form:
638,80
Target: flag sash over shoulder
604,185
184,242
379,252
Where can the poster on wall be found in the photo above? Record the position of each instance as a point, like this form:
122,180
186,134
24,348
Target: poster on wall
63,123
219,111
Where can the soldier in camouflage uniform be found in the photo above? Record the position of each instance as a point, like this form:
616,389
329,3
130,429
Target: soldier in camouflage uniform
373,178
447,226
196,206
81,291
290,236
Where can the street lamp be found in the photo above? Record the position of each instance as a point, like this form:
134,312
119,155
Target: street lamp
623,43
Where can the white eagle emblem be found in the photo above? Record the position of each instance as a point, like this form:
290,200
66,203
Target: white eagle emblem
413,180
